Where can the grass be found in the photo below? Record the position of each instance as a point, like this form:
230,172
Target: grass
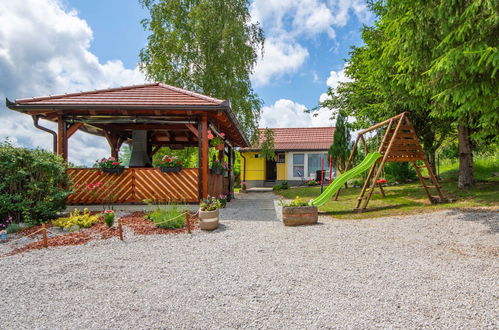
168,217
411,198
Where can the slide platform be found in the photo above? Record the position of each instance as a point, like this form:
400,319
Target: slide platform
366,164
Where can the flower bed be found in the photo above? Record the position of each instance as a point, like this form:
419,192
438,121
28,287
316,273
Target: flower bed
134,221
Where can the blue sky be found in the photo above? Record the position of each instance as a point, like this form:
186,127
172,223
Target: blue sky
118,34
58,46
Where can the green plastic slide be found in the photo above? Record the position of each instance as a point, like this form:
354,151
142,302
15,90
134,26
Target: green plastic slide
340,181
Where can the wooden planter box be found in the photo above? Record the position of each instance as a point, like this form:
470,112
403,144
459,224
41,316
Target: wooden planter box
217,171
300,215
117,170
175,169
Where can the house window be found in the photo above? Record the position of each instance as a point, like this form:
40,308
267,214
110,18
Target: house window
280,158
298,165
314,164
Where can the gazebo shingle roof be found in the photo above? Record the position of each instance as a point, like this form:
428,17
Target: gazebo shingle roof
139,95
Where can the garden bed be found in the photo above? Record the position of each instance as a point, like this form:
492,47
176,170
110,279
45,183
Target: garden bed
134,221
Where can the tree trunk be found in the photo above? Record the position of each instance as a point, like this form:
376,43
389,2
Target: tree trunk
432,160
465,179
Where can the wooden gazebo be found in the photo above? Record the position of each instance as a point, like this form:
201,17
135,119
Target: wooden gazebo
171,116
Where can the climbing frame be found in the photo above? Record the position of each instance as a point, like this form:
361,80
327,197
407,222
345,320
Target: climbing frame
400,143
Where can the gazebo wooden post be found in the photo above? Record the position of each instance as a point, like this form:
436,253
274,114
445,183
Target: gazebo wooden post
62,138
231,171
114,143
203,156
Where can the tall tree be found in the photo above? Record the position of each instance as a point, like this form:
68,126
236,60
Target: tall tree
449,49
340,149
375,93
209,46
438,60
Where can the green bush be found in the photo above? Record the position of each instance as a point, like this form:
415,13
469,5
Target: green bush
32,188
283,186
400,172
169,217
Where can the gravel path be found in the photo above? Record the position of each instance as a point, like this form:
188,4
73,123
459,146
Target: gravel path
431,270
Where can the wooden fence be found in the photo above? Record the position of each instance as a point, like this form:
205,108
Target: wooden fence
134,185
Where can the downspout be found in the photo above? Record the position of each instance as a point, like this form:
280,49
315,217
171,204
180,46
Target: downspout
54,134
244,171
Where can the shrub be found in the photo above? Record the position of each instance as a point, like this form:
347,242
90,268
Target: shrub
283,186
170,217
312,183
13,228
33,184
82,220
400,172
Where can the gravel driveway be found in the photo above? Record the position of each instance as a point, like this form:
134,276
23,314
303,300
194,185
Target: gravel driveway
431,270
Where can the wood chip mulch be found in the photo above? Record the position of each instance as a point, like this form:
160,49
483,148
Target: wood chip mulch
141,226
134,221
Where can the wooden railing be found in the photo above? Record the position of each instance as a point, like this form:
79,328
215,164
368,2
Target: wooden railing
134,185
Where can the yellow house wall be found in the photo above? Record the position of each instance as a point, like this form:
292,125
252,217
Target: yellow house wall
282,172
255,167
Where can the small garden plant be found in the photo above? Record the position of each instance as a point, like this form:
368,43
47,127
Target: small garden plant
110,162
75,218
297,202
282,186
210,204
170,216
171,161
215,140
312,183
218,165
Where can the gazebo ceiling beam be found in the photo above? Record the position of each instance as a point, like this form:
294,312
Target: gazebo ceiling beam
127,121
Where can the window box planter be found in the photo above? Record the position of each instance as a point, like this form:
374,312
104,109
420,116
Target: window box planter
175,169
217,171
116,170
299,215
208,220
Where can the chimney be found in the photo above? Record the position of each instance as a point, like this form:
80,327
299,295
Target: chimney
139,157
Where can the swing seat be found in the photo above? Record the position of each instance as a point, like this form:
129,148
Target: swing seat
381,181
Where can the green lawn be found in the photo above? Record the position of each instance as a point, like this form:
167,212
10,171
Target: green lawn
401,200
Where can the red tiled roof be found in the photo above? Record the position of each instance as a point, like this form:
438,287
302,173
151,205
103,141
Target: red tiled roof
308,138
154,94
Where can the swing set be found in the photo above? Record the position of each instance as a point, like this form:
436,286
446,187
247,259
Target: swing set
400,143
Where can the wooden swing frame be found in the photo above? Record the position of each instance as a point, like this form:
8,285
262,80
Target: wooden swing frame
400,144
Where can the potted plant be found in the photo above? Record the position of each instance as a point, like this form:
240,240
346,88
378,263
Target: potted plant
209,213
109,218
243,187
170,164
223,200
216,141
298,212
218,167
109,165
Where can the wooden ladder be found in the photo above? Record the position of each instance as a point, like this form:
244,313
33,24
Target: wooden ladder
433,182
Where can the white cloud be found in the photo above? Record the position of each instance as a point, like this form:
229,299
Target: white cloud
44,49
286,113
280,58
287,22
333,81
